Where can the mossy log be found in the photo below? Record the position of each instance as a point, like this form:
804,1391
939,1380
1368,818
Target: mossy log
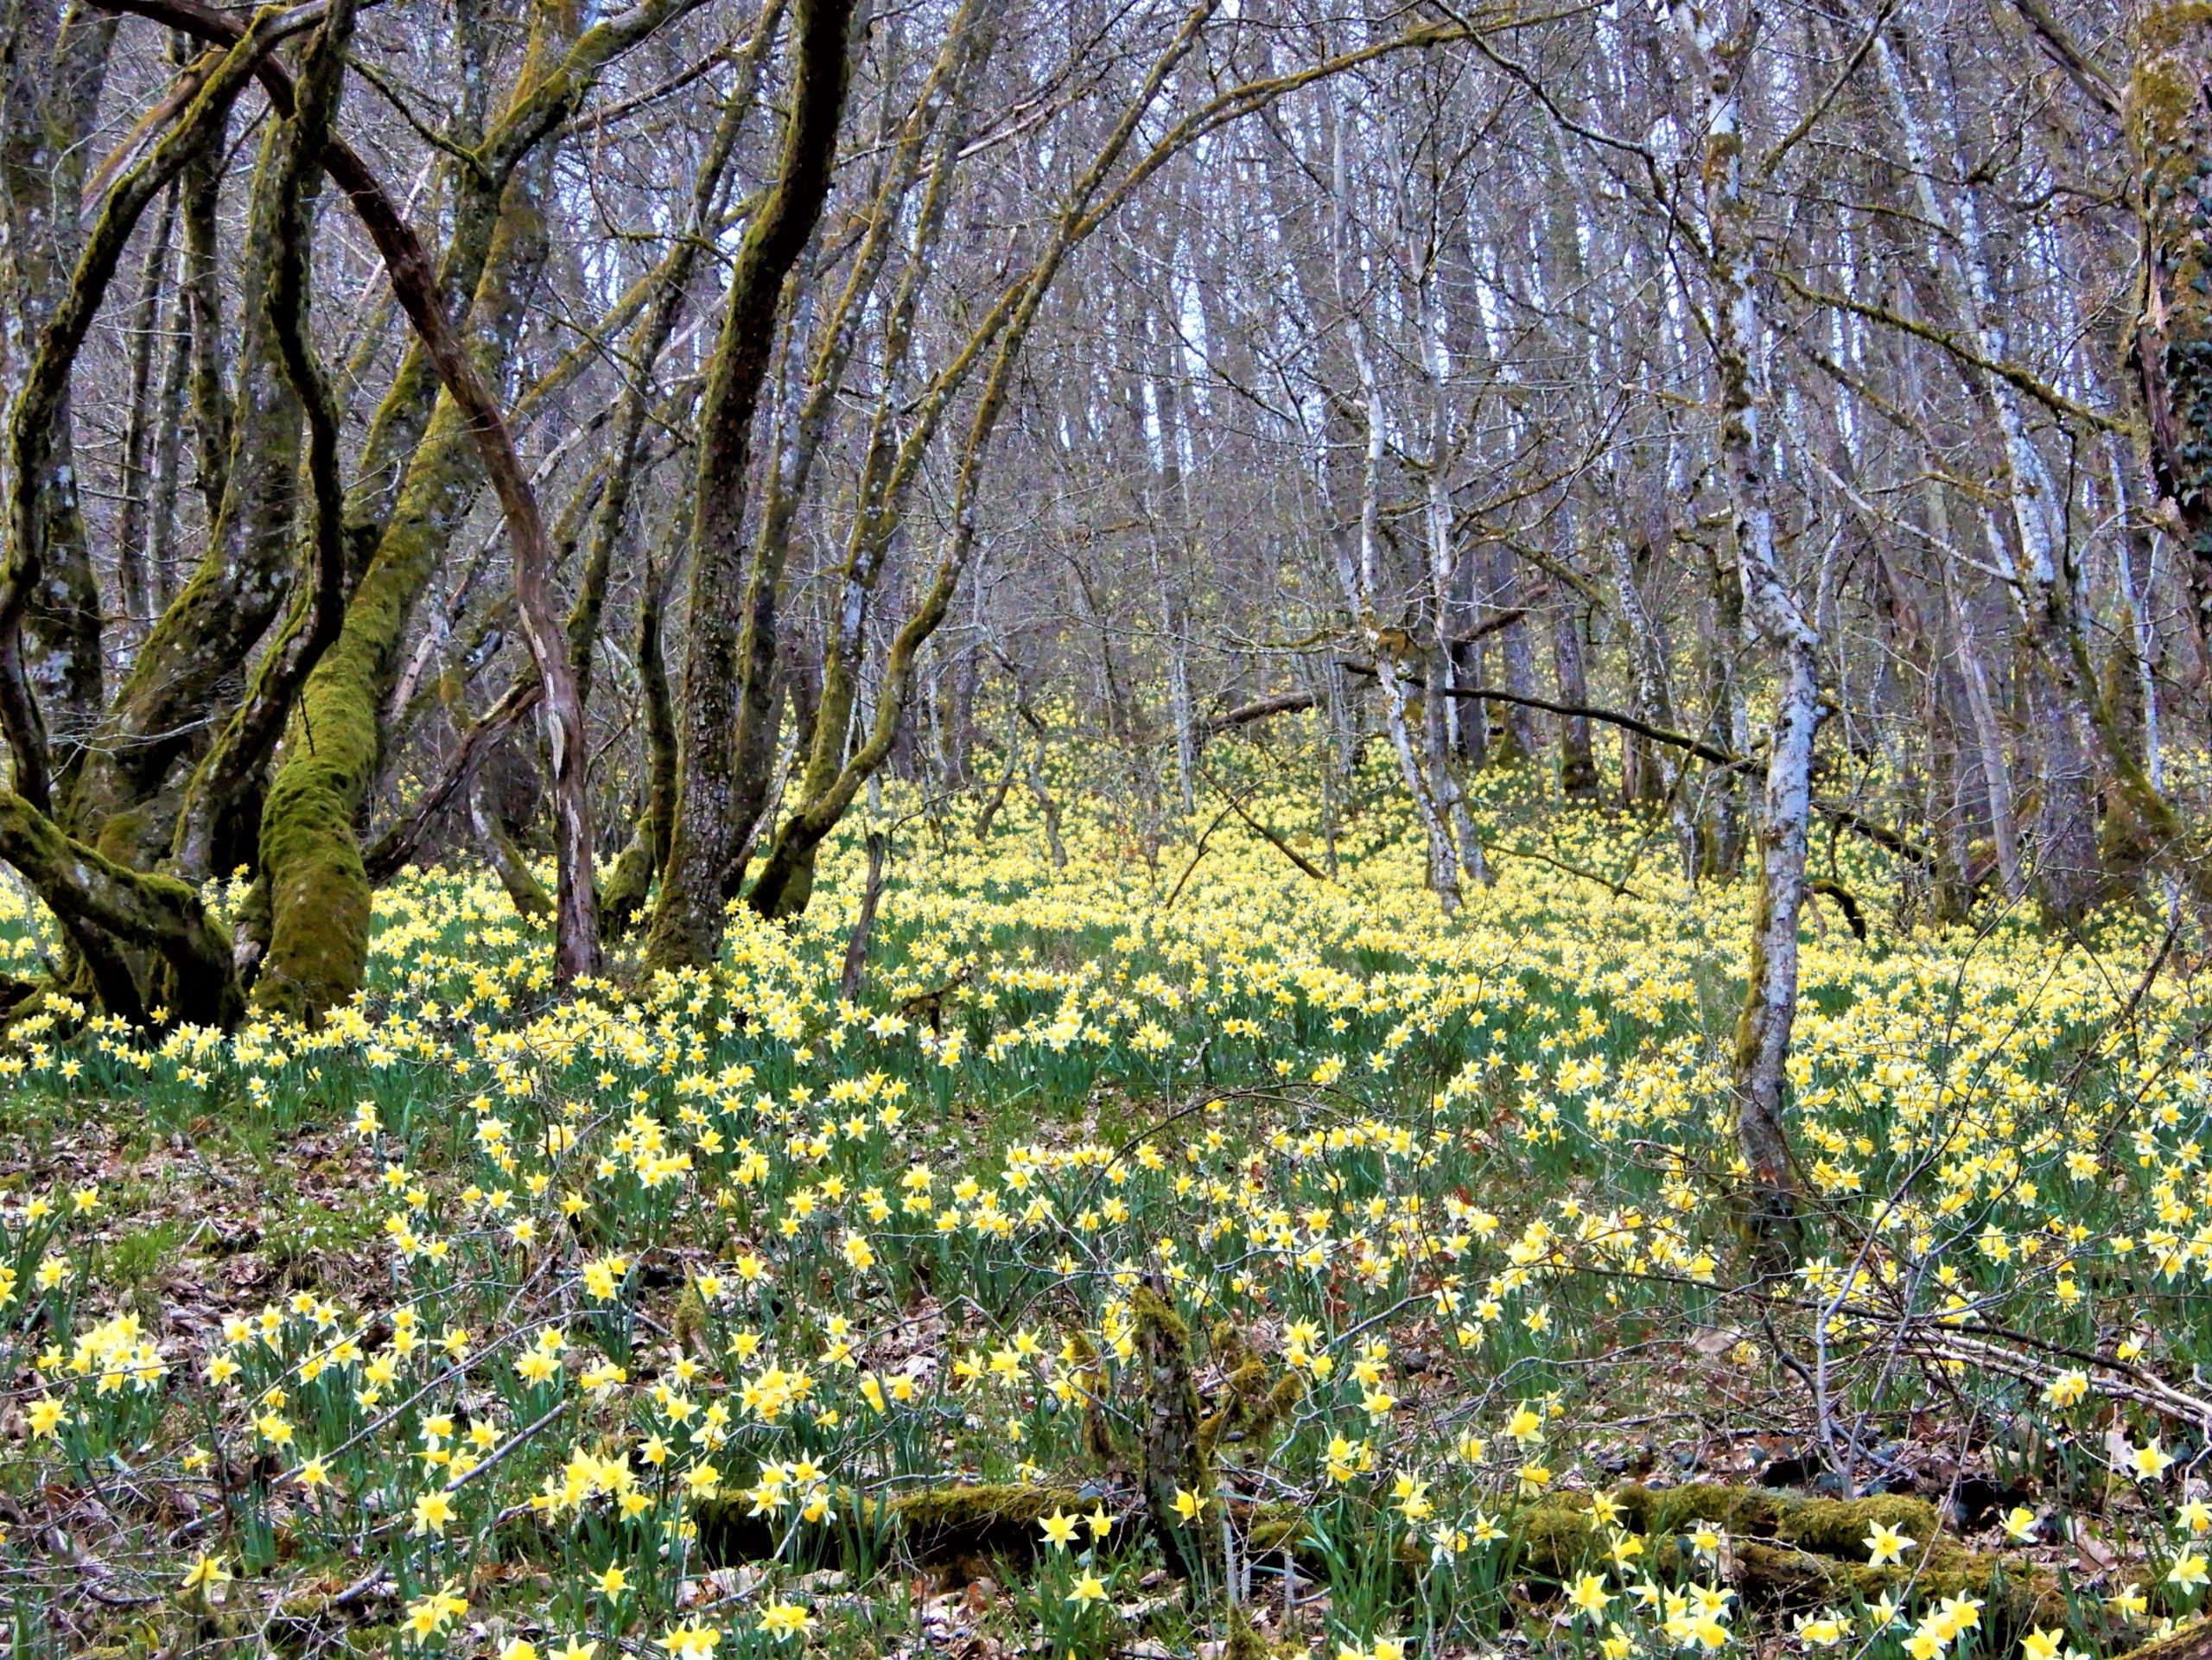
2190,1642
1787,1552
934,1526
1793,1553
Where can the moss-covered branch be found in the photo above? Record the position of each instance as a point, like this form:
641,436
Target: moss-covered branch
1783,1553
155,914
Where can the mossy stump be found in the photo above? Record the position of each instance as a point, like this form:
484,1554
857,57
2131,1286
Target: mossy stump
1174,1460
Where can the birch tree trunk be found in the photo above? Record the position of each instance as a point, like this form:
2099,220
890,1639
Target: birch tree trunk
2068,873
1359,560
1718,68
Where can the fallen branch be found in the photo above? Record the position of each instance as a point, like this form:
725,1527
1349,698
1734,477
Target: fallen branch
2131,1384
1287,703
1264,833
1783,1552
1881,835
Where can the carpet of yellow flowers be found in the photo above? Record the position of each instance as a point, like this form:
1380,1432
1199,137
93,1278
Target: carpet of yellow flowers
720,1316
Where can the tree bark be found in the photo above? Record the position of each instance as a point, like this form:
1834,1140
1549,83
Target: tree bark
687,922
141,417
1718,69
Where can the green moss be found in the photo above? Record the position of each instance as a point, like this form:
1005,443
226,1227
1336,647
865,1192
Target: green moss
988,1519
122,835
690,1325
2165,27
627,885
2014,1601
1247,1385
1272,1527
1254,1400
935,1525
1245,1641
1229,1347
1153,1314
1793,1552
1174,1455
1834,1527
319,892
107,907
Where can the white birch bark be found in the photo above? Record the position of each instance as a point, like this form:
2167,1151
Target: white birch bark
1770,607
1358,569
2068,863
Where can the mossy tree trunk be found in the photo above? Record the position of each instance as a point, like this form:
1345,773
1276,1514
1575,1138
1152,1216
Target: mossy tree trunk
631,880
241,748
699,874
158,915
770,666
125,797
318,887
111,955
53,58
310,850
118,917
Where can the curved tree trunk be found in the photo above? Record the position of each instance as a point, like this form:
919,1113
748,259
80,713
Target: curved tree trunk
55,58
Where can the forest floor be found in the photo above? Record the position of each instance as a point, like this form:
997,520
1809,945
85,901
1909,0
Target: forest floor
1159,1256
